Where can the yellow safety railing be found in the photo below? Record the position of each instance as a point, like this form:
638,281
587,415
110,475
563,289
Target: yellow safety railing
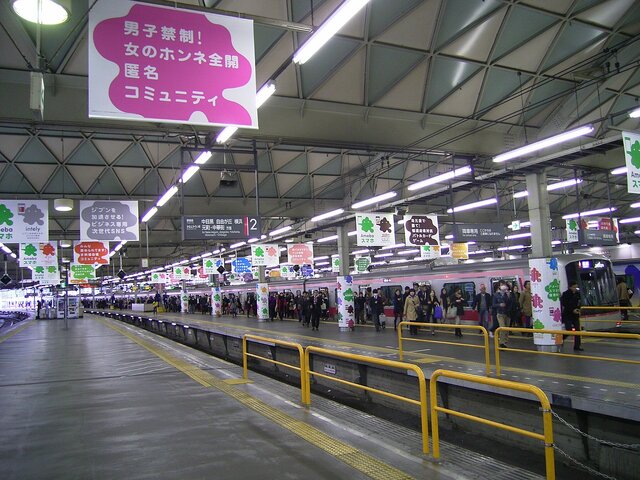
483,332
302,368
611,309
628,336
547,421
422,403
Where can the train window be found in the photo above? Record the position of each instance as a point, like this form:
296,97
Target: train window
387,292
468,290
596,282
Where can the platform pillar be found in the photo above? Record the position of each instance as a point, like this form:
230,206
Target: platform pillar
539,215
184,299
545,299
345,295
216,301
262,301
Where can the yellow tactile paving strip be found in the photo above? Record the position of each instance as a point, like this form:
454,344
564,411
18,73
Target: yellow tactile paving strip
344,452
7,336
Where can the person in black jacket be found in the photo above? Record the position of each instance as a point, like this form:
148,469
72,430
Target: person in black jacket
570,304
483,303
316,311
458,302
376,304
398,307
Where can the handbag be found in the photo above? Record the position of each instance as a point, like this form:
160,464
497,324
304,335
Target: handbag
451,312
437,312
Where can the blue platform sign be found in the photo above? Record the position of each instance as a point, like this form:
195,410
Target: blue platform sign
307,270
241,265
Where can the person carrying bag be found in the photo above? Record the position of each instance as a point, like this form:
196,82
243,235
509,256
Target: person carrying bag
411,307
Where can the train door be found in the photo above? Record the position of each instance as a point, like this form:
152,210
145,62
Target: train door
496,281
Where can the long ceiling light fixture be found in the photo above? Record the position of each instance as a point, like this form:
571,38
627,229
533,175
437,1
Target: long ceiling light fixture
332,213
237,245
588,213
471,206
517,235
167,196
189,172
203,158
630,220
147,216
278,231
619,171
328,29
373,200
440,178
262,96
551,187
327,239
635,113
547,142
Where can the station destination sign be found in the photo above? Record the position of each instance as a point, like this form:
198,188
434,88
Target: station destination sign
219,227
479,232
598,238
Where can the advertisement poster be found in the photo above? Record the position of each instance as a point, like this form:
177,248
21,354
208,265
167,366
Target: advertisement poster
421,230
23,221
109,221
375,229
81,273
460,251
545,299
159,277
345,301
163,64
91,253
300,254
46,274
241,265
631,144
181,273
32,254
265,255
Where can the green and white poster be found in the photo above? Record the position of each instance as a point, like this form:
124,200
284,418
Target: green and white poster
159,277
79,273
23,221
335,264
209,266
572,230
46,274
631,144
32,254
265,255
375,229
362,263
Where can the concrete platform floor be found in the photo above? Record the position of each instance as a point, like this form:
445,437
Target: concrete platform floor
103,400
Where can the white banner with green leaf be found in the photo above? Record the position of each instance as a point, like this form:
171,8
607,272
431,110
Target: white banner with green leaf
265,255
631,144
375,229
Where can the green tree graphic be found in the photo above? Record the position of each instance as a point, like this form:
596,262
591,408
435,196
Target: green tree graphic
5,215
30,250
39,269
208,264
553,290
348,295
366,225
634,153
573,225
52,269
538,325
259,252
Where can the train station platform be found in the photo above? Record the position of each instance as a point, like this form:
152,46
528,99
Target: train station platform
96,398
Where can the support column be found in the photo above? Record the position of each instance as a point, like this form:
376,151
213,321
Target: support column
539,215
184,298
262,296
345,283
216,301
543,268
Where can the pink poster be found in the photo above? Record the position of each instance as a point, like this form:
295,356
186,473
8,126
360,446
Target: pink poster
149,62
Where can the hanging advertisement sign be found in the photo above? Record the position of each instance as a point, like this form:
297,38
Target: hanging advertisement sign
209,266
429,251
265,255
219,227
362,264
545,299
479,232
287,271
631,144
159,277
421,230
572,230
107,220
24,221
300,253
91,253
460,251
375,229
181,273
32,254
81,273
162,64
46,274
335,264
241,265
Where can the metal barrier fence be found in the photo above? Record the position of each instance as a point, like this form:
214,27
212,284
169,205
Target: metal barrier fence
449,326
306,396
498,349
547,420
422,403
612,310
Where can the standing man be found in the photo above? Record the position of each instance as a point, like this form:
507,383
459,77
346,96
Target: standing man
376,304
502,304
316,310
623,297
482,304
570,304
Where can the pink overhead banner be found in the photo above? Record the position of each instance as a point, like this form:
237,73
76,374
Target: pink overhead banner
153,63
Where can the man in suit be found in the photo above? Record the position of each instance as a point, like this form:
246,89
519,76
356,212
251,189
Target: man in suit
570,304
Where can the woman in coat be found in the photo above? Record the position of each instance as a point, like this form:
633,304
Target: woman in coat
432,303
411,308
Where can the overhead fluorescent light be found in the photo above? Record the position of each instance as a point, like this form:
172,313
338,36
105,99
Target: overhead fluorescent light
619,171
401,221
323,257
237,245
167,196
203,157
513,247
264,93
147,216
352,233
332,213
118,247
521,194
564,183
289,240
590,212
327,239
517,235
399,260
205,255
278,231
630,220
44,12
635,113
360,252
448,237
253,240
189,172
440,178
13,255
635,205
322,263
373,200
383,255
197,257
328,29
226,134
408,252
479,252
390,247
547,142
556,242
471,206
